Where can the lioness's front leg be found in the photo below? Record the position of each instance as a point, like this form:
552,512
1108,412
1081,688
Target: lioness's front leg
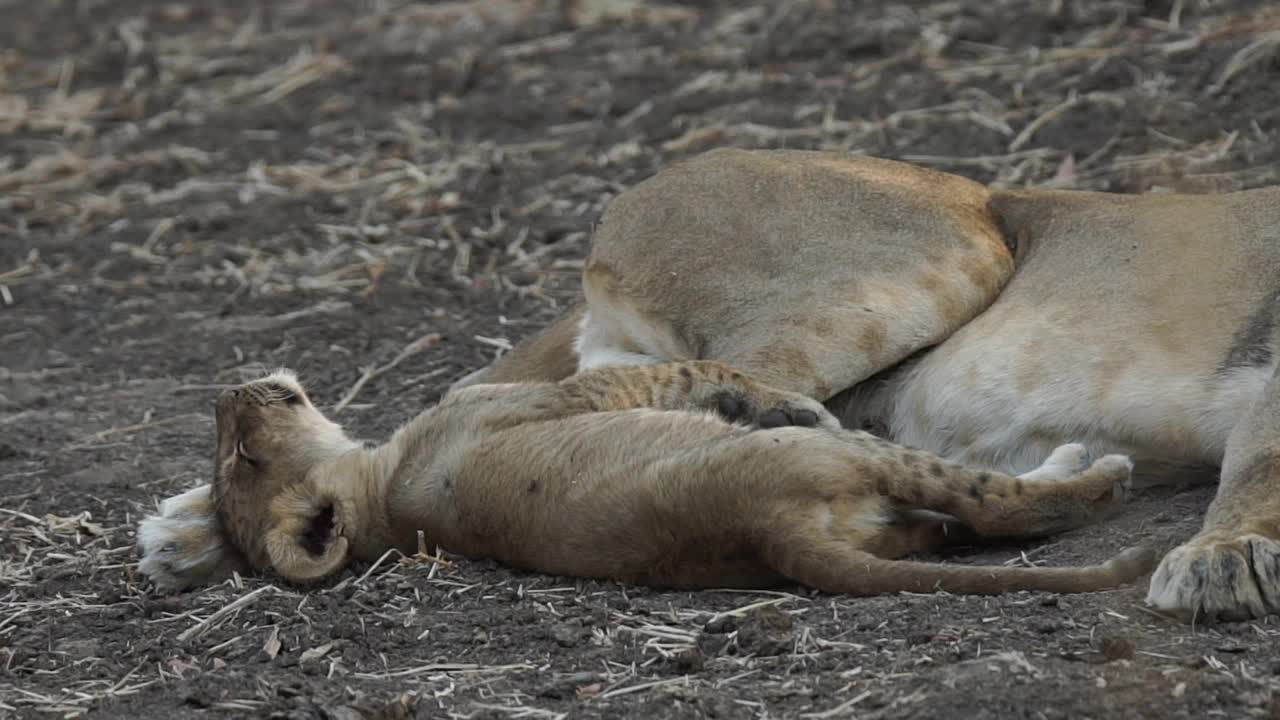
1231,569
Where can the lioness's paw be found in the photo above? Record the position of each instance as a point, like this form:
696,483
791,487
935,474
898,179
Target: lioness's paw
183,546
785,411
1212,578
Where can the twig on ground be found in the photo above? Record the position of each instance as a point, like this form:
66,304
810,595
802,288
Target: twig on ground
409,350
210,622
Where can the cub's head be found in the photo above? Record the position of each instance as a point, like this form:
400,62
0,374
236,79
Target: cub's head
274,497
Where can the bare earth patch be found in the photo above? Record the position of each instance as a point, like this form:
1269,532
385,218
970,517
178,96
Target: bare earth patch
385,194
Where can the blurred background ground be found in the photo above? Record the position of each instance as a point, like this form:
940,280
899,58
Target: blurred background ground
191,192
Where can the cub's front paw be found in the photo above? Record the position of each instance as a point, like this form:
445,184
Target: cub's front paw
1113,476
183,546
1064,463
1219,578
786,410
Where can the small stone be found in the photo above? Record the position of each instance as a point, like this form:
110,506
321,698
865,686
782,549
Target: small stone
197,698
1046,627
566,685
721,624
565,636
766,631
712,645
689,660
1117,648
1255,698
79,649
920,638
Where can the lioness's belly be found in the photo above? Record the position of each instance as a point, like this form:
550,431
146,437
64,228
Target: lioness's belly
1145,326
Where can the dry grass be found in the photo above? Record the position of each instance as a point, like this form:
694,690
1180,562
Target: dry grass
209,180
76,177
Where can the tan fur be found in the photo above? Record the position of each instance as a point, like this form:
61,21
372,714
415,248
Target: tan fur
686,475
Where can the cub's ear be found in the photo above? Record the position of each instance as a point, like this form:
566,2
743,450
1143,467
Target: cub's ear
305,542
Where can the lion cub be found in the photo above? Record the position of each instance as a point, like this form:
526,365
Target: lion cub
683,475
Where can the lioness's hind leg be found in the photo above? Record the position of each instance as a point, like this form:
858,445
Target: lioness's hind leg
184,545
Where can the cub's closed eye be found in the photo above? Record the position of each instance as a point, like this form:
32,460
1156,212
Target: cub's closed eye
242,453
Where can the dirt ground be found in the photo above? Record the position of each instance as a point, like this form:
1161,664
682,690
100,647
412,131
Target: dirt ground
192,192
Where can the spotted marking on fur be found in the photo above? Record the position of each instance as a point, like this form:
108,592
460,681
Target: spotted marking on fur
976,494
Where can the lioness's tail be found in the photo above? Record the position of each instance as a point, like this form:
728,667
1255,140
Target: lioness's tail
548,355
865,574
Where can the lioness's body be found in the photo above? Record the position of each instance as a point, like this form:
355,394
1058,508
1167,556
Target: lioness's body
987,326
1145,324
626,473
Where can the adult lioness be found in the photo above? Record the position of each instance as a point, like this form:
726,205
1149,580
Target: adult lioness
649,475
987,326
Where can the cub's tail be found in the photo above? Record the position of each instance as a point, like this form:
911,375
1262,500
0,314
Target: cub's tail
865,574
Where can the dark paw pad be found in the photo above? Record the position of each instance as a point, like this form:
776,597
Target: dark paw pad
774,418
732,407
738,408
787,417
804,418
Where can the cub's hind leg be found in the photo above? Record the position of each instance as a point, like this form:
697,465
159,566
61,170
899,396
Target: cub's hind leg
1062,494
1231,569
833,533
913,531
